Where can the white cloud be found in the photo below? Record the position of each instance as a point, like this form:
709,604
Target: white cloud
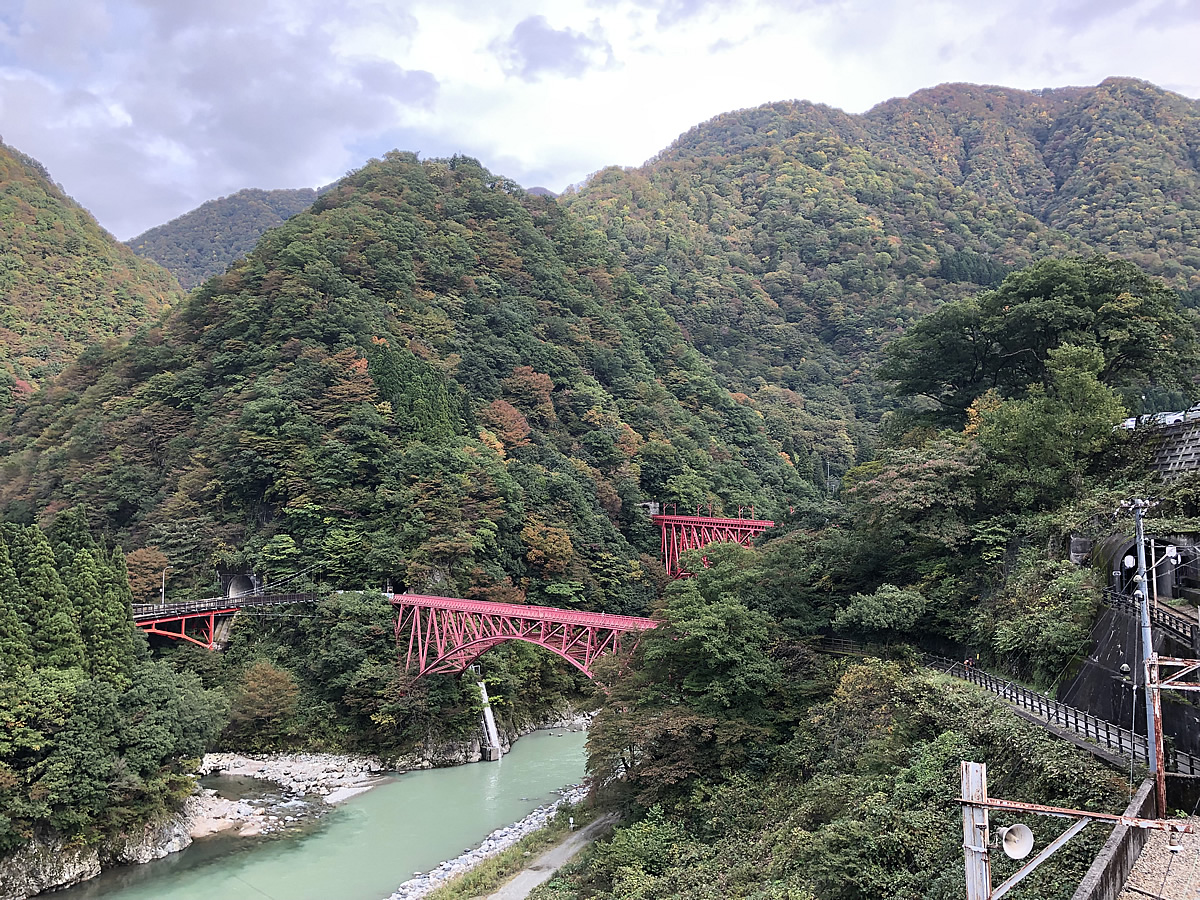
146,108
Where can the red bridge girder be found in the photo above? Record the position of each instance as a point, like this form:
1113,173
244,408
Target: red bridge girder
447,635
176,626
682,533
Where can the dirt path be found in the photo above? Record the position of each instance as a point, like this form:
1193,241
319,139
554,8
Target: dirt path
541,869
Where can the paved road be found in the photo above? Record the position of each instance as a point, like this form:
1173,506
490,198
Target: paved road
541,869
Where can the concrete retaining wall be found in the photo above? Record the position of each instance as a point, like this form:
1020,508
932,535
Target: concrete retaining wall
1112,866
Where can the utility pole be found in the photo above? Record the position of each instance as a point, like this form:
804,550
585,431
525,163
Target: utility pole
1143,595
1017,840
976,836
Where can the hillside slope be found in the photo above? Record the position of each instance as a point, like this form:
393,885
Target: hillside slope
203,242
65,282
431,378
792,241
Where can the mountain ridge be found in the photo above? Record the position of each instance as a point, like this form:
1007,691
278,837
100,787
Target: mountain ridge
204,241
66,282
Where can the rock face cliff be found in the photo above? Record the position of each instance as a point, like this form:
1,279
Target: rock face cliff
47,864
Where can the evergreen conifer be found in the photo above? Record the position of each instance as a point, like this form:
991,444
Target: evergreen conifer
116,610
15,651
54,629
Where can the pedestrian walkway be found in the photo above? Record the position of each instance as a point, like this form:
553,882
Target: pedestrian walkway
1104,739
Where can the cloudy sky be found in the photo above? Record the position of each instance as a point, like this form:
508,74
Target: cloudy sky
143,109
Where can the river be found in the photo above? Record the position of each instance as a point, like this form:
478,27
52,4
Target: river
366,847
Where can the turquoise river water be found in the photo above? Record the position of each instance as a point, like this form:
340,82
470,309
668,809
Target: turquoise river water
366,847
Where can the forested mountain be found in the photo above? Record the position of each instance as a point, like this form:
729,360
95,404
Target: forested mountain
203,242
791,241
65,283
434,379
431,378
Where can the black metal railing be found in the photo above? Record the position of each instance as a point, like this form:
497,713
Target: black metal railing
1053,712
1180,627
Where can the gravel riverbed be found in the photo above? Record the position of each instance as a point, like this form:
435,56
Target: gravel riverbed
306,781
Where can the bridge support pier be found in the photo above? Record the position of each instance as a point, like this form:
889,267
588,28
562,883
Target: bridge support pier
491,750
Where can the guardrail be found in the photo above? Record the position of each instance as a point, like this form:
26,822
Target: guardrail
145,611
1180,627
1092,728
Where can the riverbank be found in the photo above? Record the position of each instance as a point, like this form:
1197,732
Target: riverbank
296,789
496,842
364,848
330,776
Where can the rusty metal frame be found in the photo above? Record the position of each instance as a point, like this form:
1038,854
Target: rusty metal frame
1156,684
1168,825
977,836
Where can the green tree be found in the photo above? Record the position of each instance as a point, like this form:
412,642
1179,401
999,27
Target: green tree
262,706
1002,339
54,628
714,650
115,639
888,608
1038,448
16,653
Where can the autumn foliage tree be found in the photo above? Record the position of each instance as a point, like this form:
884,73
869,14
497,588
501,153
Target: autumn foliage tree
146,566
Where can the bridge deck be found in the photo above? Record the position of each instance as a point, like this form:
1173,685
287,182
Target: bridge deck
146,612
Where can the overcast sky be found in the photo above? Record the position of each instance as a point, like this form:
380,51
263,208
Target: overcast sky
143,109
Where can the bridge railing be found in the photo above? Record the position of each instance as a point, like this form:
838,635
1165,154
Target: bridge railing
144,611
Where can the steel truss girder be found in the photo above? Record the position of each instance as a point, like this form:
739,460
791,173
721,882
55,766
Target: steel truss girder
683,533
443,634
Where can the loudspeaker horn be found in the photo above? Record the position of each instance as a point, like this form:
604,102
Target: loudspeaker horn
1016,840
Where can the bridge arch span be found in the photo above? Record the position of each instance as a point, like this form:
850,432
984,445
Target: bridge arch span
443,634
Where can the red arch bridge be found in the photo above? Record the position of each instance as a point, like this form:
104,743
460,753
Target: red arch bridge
438,634
444,634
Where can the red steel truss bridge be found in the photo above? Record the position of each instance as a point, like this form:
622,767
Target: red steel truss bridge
199,621
683,533
447,635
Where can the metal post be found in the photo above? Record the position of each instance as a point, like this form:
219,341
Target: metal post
1152,740
975,831
1154,571
1159,766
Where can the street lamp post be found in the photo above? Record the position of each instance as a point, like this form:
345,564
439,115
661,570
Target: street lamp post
163,594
